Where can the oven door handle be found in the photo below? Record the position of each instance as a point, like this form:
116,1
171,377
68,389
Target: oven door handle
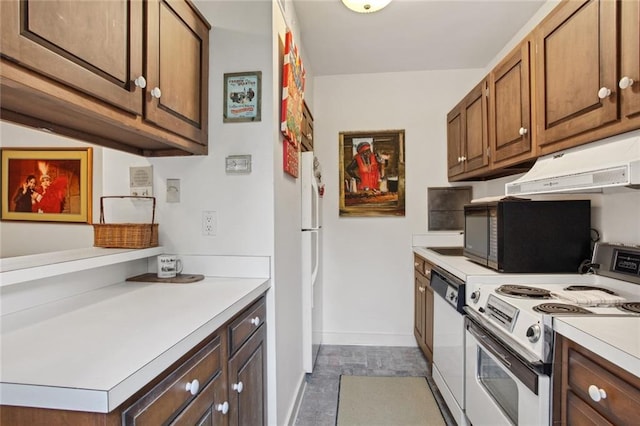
525,374
482,338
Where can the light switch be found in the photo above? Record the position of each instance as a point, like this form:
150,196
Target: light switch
238,164
173,190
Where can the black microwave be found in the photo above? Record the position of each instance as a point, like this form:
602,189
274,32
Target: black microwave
528,236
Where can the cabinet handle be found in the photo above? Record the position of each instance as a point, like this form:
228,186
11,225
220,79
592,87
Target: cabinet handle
604,92
237,387
193,387
596,393
156,93
223,408
140,82
255,321
625,82
523,131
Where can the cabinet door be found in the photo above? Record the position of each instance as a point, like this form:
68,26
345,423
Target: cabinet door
509,108
455,165
247,378
92,46
630,59
476,140
178,67
576,58
428,322
420,287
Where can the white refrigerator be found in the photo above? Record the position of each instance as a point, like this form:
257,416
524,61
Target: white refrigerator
311,258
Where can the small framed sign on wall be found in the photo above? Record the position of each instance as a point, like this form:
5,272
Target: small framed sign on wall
242,96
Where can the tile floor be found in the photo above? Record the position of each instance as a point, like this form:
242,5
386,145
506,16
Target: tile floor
320,400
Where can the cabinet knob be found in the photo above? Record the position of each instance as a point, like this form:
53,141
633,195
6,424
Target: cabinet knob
421,289
156,93
193,387
523,131
255,321
625,82
223,408
140,82
463,158
237,387
604,92
596,393
416,264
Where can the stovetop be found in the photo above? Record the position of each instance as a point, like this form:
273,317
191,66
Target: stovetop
521,314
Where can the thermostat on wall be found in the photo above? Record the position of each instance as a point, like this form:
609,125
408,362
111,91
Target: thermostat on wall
141,181
238,164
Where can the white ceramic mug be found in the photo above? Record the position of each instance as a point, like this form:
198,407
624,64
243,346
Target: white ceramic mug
169,266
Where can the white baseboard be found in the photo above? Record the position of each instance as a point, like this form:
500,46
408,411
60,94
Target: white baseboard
368,339
295,407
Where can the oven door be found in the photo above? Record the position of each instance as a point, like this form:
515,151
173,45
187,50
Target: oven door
500,388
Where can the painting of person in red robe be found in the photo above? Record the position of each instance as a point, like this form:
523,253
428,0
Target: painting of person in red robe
365,168
51,195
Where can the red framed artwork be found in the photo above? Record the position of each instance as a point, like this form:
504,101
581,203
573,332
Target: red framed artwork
293,81
47,185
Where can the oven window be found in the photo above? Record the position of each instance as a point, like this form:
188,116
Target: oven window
502,388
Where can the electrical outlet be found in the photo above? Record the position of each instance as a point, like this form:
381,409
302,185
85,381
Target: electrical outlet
209,223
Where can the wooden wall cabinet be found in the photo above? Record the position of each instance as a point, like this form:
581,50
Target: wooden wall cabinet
510,132
574,79
142,89
576,370
576,70
423,303
467,134
307,129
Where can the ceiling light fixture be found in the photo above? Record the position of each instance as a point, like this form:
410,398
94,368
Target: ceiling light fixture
365,6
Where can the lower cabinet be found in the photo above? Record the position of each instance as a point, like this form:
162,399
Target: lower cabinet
423,303
222,381
589,389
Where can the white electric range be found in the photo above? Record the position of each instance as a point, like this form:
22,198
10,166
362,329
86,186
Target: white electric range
509,331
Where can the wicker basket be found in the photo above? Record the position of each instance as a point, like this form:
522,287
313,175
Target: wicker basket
125,235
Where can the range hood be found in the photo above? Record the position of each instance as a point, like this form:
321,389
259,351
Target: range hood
608,163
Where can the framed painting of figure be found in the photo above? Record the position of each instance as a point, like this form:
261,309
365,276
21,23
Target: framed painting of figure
46,185
372,173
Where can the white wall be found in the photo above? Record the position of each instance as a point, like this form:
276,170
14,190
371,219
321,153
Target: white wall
367,273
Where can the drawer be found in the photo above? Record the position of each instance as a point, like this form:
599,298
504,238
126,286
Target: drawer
246,324
622,398
206,408
422,266
171,395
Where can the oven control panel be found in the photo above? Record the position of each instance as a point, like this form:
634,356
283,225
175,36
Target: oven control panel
501,312
617,261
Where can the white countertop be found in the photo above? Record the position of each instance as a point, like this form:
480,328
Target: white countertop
616,339
93,351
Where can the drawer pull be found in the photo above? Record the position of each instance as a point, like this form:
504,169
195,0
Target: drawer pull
223,408
255,321
237,387
193,387
596,393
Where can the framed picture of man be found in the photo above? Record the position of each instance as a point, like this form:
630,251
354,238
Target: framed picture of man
46,185
372,173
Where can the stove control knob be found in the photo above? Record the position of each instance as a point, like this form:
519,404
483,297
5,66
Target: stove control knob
475,296
533,333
